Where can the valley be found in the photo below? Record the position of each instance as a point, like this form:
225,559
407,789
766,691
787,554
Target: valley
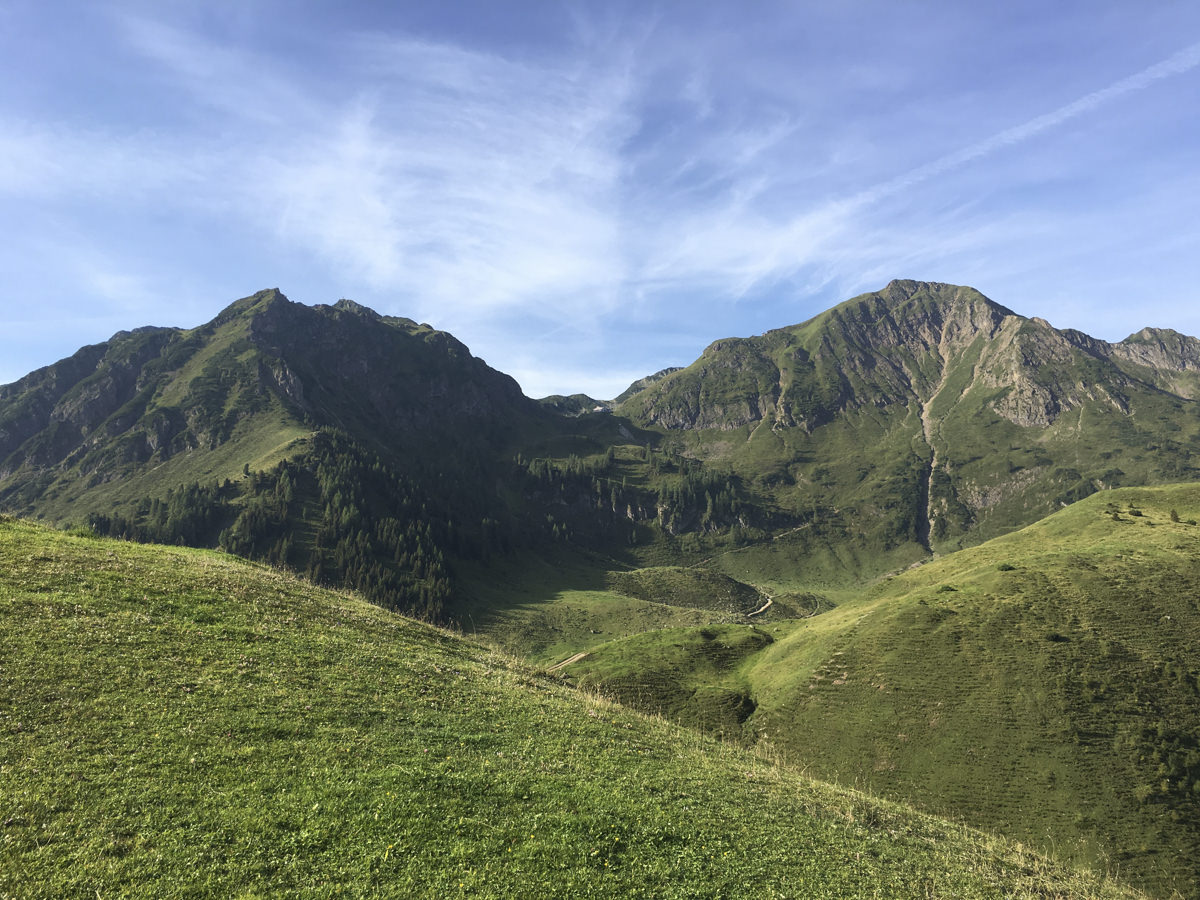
918,545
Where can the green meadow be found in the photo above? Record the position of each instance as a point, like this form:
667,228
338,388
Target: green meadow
1042,684
180,723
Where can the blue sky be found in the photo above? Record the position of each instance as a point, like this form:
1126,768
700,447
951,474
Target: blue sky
587,192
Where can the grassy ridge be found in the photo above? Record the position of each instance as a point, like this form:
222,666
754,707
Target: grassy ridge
695,588
179,723
1043,684
548,607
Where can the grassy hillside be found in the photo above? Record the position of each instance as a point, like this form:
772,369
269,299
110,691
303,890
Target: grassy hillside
1044,684
179,723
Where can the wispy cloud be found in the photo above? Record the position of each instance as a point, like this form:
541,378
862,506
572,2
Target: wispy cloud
243,84
466,183
461,181
680,171
47,161
738,245
1176,64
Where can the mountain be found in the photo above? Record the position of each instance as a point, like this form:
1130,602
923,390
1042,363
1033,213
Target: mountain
914,420
1042,684
356,447
927,416
819,505
574,405
642,383
178,722
262,374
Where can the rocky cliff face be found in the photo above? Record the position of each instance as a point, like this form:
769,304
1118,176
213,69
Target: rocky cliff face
902,345
53,412
1166,358
1160,348
875,350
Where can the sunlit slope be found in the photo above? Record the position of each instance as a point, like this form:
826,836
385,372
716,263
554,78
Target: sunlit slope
1043,684
176,722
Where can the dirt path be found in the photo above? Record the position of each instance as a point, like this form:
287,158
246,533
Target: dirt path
566,662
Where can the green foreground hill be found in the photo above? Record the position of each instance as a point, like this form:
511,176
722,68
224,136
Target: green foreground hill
181,723
1042,684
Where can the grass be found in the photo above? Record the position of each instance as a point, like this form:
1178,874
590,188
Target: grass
692,675
1042,684
177,723
261,443
691,587
547,608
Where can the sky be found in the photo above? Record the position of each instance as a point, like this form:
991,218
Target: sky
587,192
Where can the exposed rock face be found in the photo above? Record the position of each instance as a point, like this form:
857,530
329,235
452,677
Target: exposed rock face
900,345
1166,358
1160,348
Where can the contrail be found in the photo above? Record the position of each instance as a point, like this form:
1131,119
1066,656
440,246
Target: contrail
1183,61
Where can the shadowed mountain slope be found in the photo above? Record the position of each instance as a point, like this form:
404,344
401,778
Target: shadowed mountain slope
241,390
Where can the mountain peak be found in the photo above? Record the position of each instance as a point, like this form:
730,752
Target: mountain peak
906,346
257,302
1161,348
899,292
1150,334
921,316
349,306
